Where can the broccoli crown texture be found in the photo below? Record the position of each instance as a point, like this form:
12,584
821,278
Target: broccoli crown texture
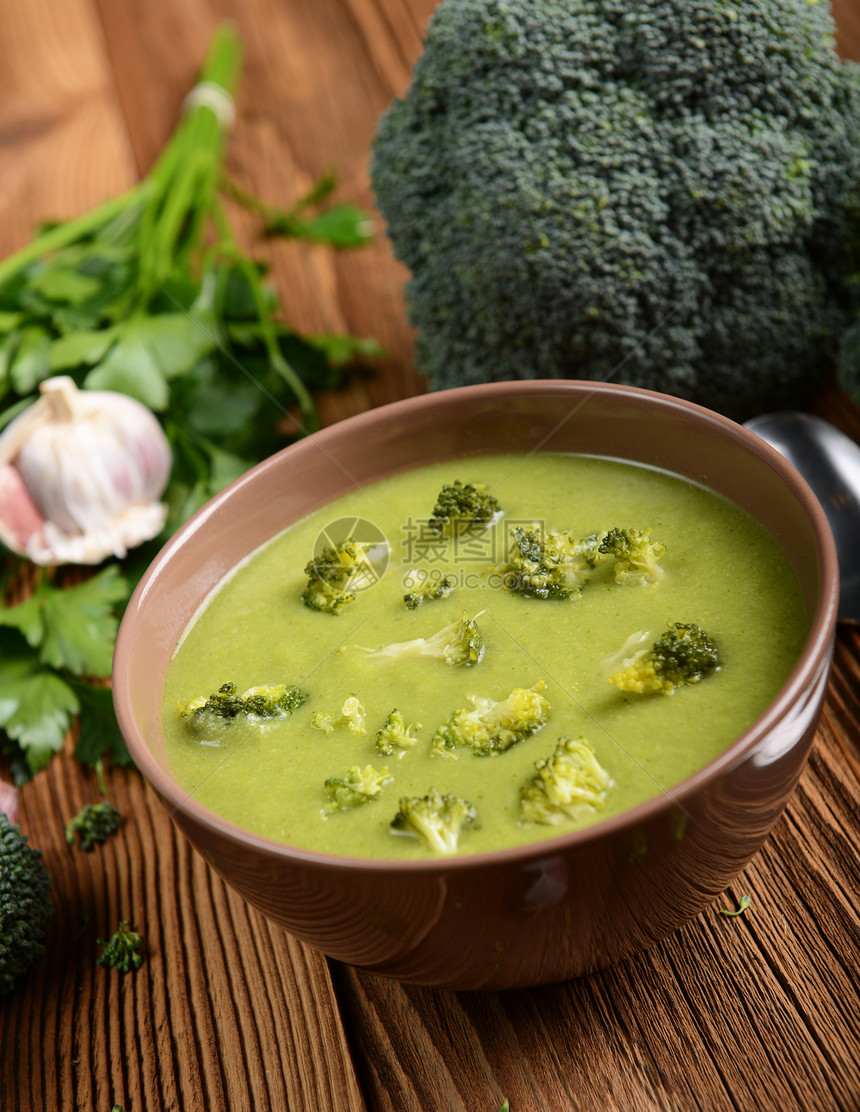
332,575
124,951
269,700
431,591
463,506
653,191
565,784
636,555
93,825
359,785
395,735
683,655
548,565
25,904
436,820
491,727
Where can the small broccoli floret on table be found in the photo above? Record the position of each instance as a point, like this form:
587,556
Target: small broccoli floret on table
334,574
636,555
462,507
563,784
492,727
548,565
25,904
124,950
436,820
358,786
431,591
226,705
458,643
93,825
684,655
396,736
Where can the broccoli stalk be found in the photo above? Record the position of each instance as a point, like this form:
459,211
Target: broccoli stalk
569,780
436,820
25,904
123,951
93,824
395,736
358,786
458,643
684,655
491,727
657,191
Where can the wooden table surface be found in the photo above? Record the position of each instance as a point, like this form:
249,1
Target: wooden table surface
757,1012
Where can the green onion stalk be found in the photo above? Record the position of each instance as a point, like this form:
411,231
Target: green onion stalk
173,221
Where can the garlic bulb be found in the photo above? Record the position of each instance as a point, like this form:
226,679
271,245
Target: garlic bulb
81,475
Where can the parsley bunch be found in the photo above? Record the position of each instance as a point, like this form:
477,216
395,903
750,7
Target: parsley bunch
149,294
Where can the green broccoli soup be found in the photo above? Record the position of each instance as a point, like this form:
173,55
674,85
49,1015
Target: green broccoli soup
478,654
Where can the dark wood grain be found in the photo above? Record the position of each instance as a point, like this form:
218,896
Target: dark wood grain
757,1012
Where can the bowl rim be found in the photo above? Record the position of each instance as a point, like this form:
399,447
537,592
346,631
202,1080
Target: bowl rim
817,646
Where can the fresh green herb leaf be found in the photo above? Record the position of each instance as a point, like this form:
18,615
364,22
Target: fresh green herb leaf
37,707
26,617
149,294
75,349
98,732
30,365
80,622
131,368
60,283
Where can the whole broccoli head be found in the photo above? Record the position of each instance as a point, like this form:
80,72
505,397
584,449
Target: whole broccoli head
25,904
655,191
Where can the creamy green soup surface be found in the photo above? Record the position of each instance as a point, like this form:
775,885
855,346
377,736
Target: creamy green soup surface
722,570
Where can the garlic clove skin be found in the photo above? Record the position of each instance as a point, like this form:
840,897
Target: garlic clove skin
19,517
93,464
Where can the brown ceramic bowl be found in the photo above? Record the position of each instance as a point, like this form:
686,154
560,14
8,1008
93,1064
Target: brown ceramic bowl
533,914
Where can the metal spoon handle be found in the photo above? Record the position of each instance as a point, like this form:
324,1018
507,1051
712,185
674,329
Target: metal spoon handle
830,463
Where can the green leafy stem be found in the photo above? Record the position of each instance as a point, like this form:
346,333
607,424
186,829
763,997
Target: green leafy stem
150,294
